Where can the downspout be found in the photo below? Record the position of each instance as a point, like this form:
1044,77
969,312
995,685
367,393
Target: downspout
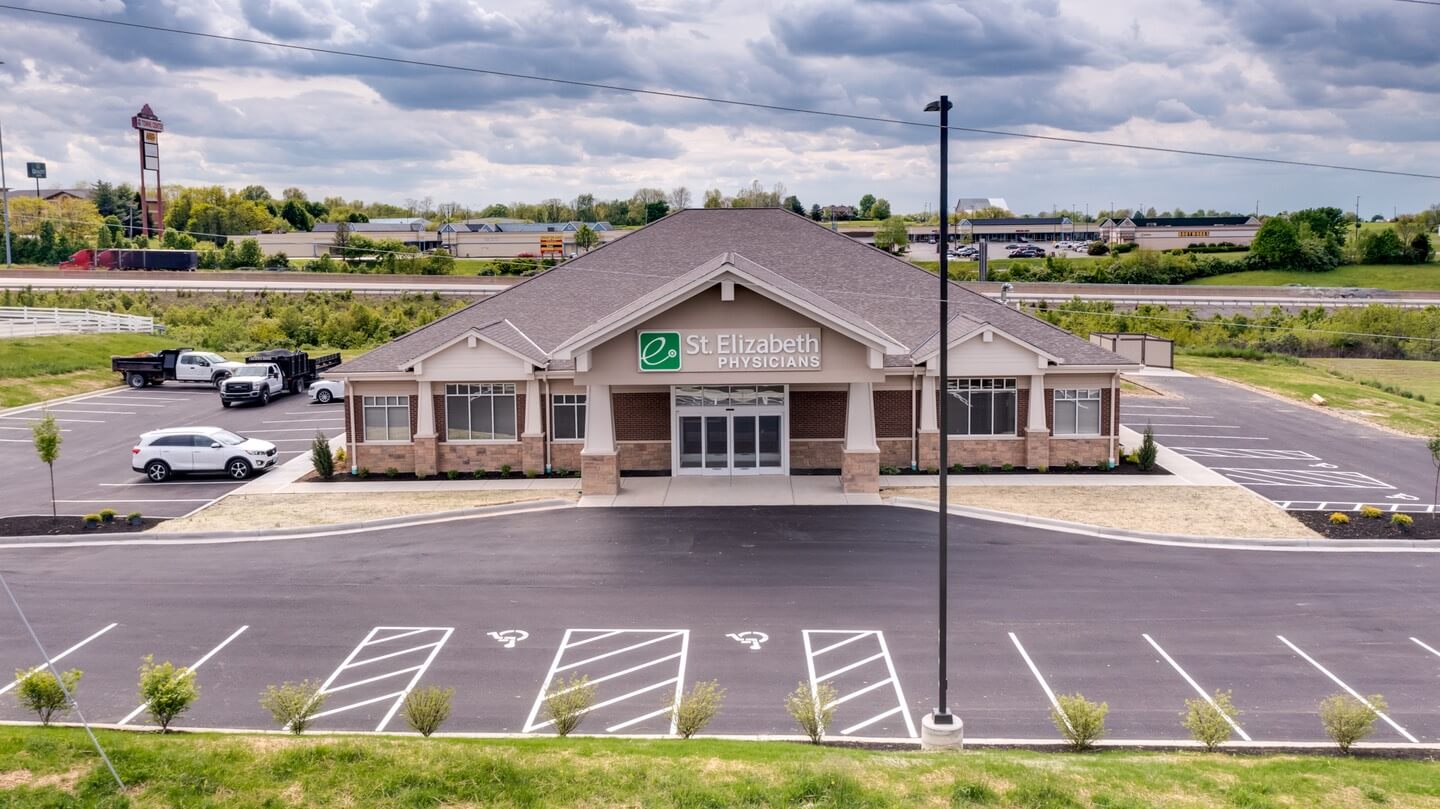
1114,424
914,426
549,428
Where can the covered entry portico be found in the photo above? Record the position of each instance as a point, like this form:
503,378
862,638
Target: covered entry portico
729,430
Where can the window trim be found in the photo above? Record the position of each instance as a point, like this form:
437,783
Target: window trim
368,402
513,392
1074,400
580,404
990,385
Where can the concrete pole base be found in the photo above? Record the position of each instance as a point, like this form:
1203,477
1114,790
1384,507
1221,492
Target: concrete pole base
941,737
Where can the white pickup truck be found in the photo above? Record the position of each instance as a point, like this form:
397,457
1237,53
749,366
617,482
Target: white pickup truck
252,383
178,364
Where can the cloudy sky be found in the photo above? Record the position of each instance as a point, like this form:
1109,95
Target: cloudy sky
1354,82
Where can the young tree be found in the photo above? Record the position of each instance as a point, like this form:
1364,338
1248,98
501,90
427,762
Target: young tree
714,199
866,203
249,254
40,692
1276,244
679,198
881,209
815,212
792,203
47,440
892,236
167,690
586,238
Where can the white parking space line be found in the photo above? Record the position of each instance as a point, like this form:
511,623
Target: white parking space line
1195,426
115,397
1330,505
99,412
1427,647
334,683
140,500
1246,452
267,431
646,639
1040,678
863,658
61,656
1318,478
159,486
193,667
27,429
1227,437
1203,695
1127,406
126,403
1169,416
62,419
1352,692
339,419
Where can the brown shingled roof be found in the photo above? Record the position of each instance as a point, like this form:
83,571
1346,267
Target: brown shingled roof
894,295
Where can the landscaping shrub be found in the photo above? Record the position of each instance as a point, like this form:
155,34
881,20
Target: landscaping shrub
133,518
426,709
321,458
166,690
1339,518
1009,467
812,710
1404,522
362,472
1098,249
293,705
1145,456
107,515
453,474
39,691
1079,720
91,520
567,702
1370,512
697,707
341,457
1207,723
1348,720
391,472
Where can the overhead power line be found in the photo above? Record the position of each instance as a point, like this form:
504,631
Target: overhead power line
1001,133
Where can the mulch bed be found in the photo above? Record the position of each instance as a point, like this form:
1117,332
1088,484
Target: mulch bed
1427,526
346,477
37,525
1125,468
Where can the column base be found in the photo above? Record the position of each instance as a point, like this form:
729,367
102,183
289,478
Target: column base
860,471
427,450
1037,449
600,474
941,737
928,452
533,453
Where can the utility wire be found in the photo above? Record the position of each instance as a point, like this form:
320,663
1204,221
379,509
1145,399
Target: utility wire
716,100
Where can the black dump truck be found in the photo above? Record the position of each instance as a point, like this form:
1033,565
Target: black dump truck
177,364
271,373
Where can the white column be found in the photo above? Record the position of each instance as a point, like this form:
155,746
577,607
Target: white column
532,408
928,420
599,421
425,415
860,419
1036,422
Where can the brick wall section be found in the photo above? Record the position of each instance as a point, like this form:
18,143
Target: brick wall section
440,415
641,416
991,452
379,457
354,414
565,455
440,430
1084,451
350,422
817,414
647,456
414,416
490,457
894,452
806,454
894,414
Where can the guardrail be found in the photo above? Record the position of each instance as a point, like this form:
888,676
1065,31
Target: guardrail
1226,302
36,321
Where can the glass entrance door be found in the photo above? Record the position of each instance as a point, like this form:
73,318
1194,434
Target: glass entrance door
726,431
705,444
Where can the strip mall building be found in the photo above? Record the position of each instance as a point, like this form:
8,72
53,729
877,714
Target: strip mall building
729,342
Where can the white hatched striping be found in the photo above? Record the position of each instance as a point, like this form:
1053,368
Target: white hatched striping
1330,505
645,639
864,655
61,656
193,667
436,638
1352,692
1246,452
1315,478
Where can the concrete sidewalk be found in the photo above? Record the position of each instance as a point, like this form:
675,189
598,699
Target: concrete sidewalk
736,490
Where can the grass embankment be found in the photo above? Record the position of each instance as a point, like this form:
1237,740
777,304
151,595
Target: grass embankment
463,266
1375,276
1299,380
33,369
56,767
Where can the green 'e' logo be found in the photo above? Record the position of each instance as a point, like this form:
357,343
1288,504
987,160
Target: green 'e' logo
659,350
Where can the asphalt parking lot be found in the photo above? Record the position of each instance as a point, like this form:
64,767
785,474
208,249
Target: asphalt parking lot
99,430
1301,458
646,601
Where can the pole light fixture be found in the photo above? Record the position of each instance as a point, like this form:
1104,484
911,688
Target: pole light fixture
942,729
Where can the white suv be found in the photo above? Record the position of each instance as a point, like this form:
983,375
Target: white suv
178,450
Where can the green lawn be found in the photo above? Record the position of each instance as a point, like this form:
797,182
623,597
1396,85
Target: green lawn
1416,376
33,369
1378,276
56,767
1300,381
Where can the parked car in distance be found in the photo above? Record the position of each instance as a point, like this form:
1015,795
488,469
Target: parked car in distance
325,391
1028,252
1012,246
162,454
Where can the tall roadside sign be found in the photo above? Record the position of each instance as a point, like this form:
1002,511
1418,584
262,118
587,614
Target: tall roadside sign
152,204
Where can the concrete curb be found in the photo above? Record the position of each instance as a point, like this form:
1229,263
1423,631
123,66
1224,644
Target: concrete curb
1412,750
1185,540
62,400
298,532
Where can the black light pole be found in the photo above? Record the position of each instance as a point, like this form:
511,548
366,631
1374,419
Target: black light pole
942,715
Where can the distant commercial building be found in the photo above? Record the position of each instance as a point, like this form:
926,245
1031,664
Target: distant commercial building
51,193
488,238
1029,229
1171,232
969,205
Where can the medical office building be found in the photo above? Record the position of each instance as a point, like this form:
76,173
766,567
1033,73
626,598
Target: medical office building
729,342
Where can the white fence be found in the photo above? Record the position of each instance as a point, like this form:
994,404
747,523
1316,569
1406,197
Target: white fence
33,321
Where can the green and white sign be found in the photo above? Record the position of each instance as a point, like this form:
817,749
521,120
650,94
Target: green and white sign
659,350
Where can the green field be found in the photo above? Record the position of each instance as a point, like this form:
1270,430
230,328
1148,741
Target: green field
33,369
463,266
1299,380
1416,376
56,767
1377,276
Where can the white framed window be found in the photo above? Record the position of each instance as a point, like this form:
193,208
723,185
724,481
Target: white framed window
387,418
567,416
1077,412
480,412
983,406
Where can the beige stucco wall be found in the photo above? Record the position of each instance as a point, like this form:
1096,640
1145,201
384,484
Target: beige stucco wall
484,362
999,357
359,388
842,359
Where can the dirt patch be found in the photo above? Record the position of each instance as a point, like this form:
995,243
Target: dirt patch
64,781
36,525
261,511
1426,526
1223,511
